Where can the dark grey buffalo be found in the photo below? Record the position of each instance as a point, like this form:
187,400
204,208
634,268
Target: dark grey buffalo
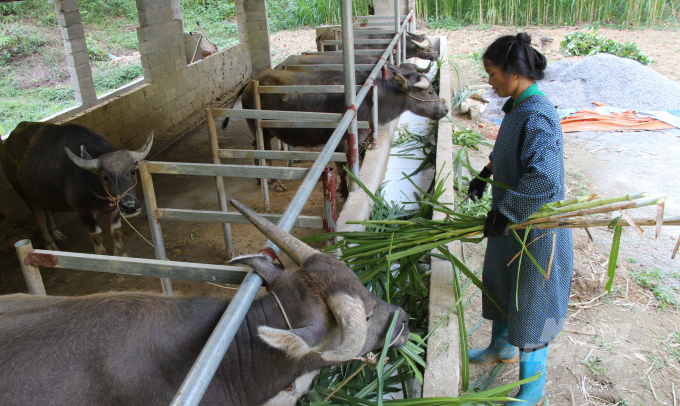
320,59
417,45
135,349
71,168
400,92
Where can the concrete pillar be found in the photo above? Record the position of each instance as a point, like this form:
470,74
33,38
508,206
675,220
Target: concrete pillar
386,7
71,27
176,9
161,39
253,30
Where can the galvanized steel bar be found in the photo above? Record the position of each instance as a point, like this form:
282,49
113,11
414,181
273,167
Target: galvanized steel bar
139,266
373,24
358,41
232,171
221,190
209,216
350,92
374,116
369,31
154,224
302,89
259,139
374,52
297,68
306,124
377,18
396,28
31,272
284,155
403,46
276,115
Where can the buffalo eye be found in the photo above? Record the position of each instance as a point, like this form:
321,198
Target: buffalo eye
430,92
133,172
105,178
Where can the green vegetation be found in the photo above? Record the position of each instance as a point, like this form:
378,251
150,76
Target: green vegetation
549,12
591,43
656,281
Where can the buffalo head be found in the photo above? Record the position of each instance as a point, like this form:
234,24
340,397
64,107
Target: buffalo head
422,46
421,97
330,311
118,173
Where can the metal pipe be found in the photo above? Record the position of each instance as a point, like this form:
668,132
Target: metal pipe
403,46
233,171
277,115
31,272
374,52
307,124
284,155
302,89
154,224
297,68
219,180
210,216
259,138
374,116
350,92
138,266
359,41
397,26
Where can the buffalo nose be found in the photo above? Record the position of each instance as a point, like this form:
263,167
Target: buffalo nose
130,206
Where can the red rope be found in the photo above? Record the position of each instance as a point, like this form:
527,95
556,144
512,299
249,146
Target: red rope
114,200
272,254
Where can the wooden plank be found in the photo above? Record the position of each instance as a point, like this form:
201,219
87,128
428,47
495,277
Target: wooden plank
276,115
231,171
284,155
209,216
139,266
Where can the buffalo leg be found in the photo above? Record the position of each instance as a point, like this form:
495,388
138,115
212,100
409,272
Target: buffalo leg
277,185
343,189
52,228
40,217
117,233
90,221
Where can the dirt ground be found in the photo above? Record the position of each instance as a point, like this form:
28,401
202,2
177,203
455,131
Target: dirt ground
619,348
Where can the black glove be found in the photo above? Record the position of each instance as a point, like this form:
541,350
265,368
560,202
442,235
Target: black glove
497,225
477,186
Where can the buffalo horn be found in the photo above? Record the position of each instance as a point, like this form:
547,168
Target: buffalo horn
92,165
294,248
422,84
141,153
421,70
351,316
420,44
411,33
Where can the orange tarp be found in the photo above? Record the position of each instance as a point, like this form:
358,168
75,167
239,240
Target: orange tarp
590,120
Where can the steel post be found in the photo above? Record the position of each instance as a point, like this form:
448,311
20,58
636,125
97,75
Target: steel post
328,182
154,223
397,26
221,191
374,116
31,273
350,90
403,46
259,137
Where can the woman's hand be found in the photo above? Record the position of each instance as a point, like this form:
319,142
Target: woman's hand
497,225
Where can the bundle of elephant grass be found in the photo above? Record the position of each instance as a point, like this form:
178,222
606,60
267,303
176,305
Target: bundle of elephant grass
422,235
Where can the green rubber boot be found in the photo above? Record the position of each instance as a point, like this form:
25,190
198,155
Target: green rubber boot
530,364
498,350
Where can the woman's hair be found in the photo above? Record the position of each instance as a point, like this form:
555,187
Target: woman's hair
515,54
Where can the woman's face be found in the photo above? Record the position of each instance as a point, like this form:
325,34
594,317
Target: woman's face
503,84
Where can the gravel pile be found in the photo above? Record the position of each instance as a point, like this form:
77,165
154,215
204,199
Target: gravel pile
605,78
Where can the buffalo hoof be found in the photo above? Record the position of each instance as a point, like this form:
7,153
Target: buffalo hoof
278,186
58,236
119,252
100,250
52,247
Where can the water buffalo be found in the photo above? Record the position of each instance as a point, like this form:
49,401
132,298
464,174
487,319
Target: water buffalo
135,349
417,45
400,92
41,164
338,59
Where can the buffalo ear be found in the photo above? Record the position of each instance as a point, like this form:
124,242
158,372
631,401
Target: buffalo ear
285,340
261,266
402,82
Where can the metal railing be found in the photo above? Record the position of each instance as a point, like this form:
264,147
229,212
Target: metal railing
201,373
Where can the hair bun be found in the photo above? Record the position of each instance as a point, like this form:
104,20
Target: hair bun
523,37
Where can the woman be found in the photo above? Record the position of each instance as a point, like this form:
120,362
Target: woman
527,156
